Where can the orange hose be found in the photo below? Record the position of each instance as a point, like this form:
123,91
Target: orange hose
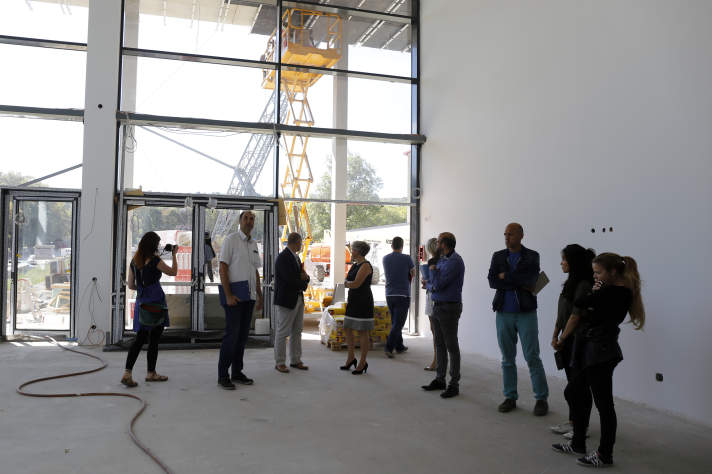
104,364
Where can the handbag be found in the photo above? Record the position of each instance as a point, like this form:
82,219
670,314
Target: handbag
152,314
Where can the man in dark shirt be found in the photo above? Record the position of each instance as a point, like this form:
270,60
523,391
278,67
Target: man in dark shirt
513,273
400,270
446,277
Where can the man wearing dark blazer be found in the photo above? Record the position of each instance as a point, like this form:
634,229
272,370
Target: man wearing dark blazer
290,282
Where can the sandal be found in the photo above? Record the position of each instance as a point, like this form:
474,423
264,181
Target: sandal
128,381
156,378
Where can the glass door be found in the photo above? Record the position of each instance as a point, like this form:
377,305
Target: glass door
198,226
174,225
208,264
39,233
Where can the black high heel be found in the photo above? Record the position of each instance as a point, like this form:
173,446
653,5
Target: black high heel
348,366
362,371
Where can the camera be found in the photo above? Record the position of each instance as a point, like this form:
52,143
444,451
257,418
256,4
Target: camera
169,248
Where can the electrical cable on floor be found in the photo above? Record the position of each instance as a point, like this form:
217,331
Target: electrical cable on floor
104,364
94,336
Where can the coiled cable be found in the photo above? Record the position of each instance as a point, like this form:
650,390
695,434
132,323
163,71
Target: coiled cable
104,364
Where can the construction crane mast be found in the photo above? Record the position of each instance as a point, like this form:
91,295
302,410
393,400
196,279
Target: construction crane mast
299,48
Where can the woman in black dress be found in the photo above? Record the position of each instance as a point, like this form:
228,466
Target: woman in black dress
359,306
144,276
596,352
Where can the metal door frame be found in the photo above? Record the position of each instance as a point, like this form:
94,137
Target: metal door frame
14,194
200,203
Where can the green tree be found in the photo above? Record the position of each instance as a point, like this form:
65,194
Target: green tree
12,178
363,184
45,222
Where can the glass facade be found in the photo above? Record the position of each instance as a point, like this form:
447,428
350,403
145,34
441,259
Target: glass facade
245,100
346,67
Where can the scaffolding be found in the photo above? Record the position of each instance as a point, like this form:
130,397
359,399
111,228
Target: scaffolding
299,50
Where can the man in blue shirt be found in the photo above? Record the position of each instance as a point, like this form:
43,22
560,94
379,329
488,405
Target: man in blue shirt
445,284
513,273
400,271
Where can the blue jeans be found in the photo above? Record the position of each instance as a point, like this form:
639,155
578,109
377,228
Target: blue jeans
524,324
237,328
398,307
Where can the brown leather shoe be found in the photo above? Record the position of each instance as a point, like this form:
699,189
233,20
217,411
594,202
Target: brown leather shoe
128,381
299,366
281,368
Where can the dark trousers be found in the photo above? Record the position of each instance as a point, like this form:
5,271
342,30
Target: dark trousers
445,319
593,384
237,328
398,307
152,335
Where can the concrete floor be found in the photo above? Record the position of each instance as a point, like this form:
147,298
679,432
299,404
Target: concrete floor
320,421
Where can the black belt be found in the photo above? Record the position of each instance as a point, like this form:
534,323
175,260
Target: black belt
438,303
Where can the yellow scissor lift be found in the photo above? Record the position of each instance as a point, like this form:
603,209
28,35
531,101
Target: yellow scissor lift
299,49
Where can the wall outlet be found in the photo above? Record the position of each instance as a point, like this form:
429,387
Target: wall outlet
659,377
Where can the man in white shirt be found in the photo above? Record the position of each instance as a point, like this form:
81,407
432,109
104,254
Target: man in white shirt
239,262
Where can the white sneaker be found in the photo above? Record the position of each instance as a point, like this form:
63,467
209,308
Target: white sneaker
562,428
570,434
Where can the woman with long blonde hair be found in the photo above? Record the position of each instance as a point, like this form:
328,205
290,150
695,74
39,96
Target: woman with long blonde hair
596,352
431,249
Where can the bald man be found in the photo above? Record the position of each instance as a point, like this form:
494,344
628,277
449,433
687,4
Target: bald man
290,282
513,273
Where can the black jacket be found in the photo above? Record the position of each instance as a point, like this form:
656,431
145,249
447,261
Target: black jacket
524,276
287,282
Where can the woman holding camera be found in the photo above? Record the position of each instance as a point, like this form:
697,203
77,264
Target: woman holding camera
359,306
576,262
150,314
596,352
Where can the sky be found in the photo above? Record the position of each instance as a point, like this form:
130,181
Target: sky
55,78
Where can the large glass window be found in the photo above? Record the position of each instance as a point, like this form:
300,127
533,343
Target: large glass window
44,265
52,20
160,159
397,7
378,172
33,148
186,89
311,37
234,29
377,225
42,77
202,71
372,105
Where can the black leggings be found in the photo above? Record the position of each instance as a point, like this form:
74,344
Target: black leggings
569,375
152,335
593,384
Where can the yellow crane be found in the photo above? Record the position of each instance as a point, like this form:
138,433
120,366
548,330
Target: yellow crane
300,48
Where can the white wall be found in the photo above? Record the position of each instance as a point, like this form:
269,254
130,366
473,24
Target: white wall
566,115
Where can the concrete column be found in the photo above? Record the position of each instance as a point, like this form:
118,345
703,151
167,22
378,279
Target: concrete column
99,168
338,176
129,71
